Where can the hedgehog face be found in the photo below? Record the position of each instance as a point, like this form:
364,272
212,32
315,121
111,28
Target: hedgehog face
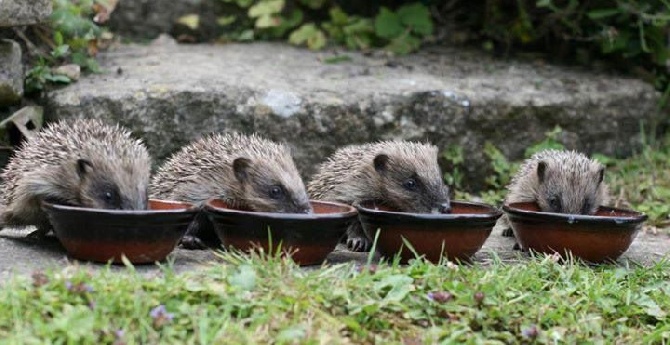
574,191
412,185
271,186
116,188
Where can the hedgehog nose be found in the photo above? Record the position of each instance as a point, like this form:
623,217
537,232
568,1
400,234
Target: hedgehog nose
444,207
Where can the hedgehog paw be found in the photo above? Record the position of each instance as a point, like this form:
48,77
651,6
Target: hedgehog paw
358,244
38,234
508,232
192,242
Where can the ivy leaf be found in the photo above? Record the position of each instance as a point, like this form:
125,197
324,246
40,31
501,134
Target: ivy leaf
225,20
266,8
417,17
308,34
267,21
404,44
192,21
338,17
387,24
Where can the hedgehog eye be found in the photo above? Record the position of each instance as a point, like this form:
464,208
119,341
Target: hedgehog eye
410,184
276,192
555,203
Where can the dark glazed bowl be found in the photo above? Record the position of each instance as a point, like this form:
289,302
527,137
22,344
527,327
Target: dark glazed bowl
456,236
309,237
593,238
100,235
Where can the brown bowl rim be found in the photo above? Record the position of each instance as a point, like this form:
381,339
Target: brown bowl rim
60,207
351,211
639,217
493,215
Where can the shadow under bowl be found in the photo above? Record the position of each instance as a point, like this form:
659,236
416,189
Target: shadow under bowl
309,238
596,238
101,235
457,235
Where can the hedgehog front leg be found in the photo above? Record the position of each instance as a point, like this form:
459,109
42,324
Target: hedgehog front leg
503,223
200,234
356,239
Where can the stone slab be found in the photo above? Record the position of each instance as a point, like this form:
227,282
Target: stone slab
170,94
24,12
11,73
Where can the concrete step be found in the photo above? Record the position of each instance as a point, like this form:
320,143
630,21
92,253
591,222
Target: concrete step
170,94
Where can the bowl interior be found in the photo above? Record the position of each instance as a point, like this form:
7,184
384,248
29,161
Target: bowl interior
319,208
459,210
603,213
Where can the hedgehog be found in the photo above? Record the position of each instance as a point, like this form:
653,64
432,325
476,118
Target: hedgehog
400,174
81,162
559,182
247,171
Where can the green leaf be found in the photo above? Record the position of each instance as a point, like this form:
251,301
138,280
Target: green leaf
225,20
313,4
404,44
58,38
387,24
338,17
417,17
58,78
398,286
246,35
244,278
604,13
267,21
266,8
310,35
192,21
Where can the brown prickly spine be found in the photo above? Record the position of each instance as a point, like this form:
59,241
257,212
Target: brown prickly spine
405,175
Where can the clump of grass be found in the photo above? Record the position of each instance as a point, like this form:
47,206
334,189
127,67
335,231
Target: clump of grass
643,182
260,299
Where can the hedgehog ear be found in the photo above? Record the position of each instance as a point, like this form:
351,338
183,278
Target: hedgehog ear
84,167
381,161
601,175
541,170
240,168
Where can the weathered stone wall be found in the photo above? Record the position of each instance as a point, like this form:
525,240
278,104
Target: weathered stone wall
170,94
24,12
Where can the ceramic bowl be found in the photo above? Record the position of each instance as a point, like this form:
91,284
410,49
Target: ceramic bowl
457,235
309,238
101,235
596,238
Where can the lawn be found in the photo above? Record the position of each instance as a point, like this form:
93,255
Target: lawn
256,299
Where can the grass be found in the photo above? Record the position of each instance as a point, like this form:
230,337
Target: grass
255,299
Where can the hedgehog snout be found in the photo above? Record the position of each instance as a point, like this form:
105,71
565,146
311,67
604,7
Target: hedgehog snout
444,207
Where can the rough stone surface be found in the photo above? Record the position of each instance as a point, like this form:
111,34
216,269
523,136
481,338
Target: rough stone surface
170,94
24,12
22,256
11,73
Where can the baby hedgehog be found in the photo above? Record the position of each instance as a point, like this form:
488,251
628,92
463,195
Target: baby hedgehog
77,163
403,175
248,172
560,182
